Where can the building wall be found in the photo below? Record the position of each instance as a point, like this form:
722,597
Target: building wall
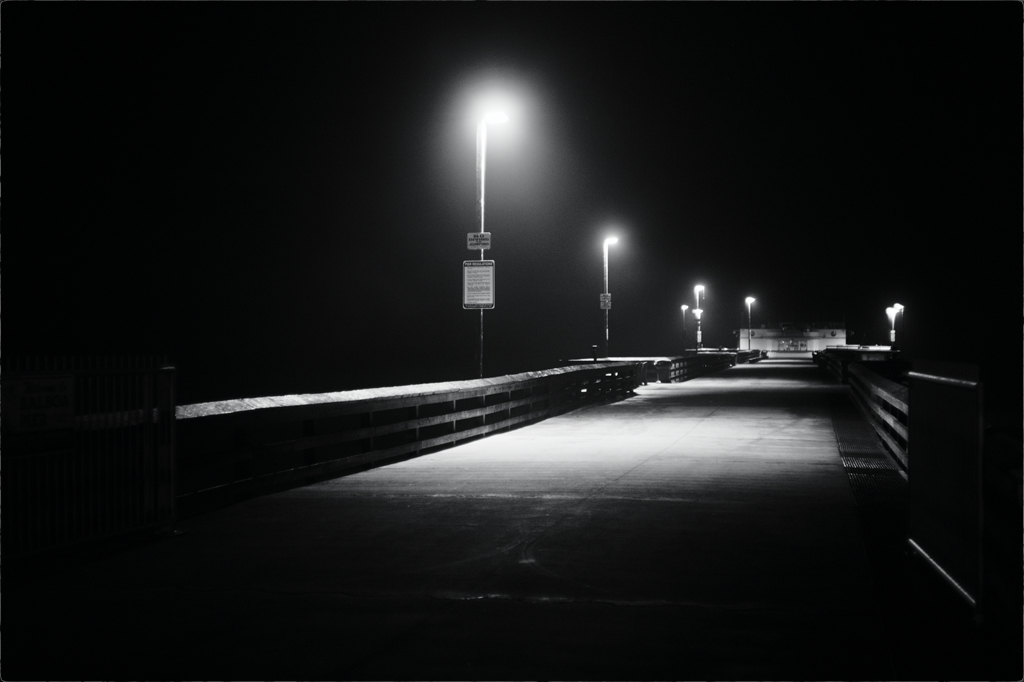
792,342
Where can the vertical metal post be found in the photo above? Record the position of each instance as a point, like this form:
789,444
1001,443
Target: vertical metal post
696,294
481,173
416,433
748,328
607,352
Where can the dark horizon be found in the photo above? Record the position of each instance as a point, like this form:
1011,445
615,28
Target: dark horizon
277,196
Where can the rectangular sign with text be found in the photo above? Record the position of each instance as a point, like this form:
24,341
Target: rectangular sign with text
478,240
606,301
42,403
478,284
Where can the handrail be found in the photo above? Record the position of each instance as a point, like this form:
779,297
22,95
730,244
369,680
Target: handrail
886,404
691,366
949,381
836,359
235,449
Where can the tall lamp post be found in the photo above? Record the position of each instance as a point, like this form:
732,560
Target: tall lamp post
481,175
606,299
697,291
684,308
749,300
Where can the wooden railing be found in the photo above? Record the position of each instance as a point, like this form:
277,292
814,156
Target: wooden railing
236,449
835,359
946,517
89,448
886,404
692,366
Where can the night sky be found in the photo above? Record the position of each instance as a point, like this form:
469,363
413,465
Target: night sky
277,195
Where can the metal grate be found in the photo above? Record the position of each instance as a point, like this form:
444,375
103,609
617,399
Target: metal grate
874,463
876,480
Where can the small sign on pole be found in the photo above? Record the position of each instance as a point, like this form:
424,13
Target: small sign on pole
606,301
478,284
476,241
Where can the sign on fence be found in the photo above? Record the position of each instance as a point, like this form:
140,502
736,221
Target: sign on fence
478,284
38,403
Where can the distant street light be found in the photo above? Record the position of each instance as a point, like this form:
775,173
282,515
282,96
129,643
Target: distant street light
684,308
697,291
892,312
750,299
481,174
606,300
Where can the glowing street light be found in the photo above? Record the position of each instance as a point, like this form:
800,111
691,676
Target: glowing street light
892,312
684,308
481,175
749,300
697,291
606,299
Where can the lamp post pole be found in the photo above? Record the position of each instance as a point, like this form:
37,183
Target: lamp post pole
481,177
697,291
607,304
899,309
481,172
750,299
684,308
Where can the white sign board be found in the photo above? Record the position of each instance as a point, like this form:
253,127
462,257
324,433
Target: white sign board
478,240
478,284
606,301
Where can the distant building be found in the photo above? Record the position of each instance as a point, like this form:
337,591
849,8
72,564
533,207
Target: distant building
792,341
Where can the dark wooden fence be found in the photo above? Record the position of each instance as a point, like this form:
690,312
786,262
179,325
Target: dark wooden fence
946,503
836,359
886,404
940,446
88,450
689,367
236,449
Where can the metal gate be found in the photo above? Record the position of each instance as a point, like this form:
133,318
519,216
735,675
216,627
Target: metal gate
88,450
945,473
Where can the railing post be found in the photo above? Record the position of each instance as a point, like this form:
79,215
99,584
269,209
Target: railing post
416,431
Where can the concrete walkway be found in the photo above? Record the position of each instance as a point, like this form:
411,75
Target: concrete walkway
697,530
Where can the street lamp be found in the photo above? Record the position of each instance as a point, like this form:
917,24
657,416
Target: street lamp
697,291
684,308
892,312
606,299
481,174
749,300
